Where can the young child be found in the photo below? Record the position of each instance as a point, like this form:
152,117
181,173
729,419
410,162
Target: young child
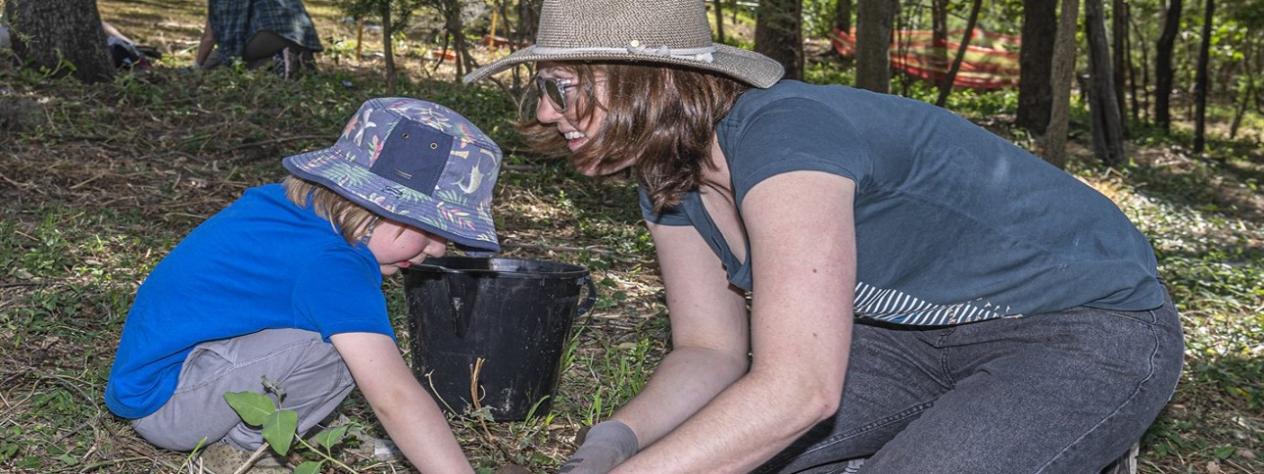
285,285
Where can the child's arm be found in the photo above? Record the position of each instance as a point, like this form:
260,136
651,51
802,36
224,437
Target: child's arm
409,414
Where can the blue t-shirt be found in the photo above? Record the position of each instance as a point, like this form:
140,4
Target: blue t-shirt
953,223
261,263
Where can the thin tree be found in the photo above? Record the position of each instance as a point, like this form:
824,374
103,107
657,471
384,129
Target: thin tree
945,87
1143,97
1245,91
779,34
1163,65
1200,81
1108,140
1035,59
1052,144
1119,37
842,16
873,44
60,37
384,9
939,37
719,19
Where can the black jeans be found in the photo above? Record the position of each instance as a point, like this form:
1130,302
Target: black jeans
1064,392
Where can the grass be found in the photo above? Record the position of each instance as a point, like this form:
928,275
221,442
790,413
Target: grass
100,181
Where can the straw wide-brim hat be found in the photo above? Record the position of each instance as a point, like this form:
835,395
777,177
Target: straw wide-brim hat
659,31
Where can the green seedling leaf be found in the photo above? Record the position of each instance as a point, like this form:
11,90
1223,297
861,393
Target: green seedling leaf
278,430
331,436
1224,452
308,467
253,408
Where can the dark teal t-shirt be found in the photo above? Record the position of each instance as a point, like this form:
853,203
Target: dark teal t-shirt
953,223
261,263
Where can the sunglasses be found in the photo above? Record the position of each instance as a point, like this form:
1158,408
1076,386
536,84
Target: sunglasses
555,90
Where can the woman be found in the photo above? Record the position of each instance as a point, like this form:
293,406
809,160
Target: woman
260,32
923,292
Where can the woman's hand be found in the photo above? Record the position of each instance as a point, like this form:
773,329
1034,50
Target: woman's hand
603,447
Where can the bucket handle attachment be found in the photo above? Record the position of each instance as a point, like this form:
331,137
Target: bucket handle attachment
460,309
591,299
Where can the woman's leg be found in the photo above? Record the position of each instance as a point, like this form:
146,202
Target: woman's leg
310,372
1063,392
1059,392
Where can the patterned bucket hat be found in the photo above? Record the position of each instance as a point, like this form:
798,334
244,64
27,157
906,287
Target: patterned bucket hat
414,162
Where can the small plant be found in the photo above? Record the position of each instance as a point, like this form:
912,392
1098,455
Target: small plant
279,427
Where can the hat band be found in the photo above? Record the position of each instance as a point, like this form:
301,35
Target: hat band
688,54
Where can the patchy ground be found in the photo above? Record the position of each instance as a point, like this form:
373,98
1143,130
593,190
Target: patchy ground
98,182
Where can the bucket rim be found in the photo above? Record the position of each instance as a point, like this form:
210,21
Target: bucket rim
459,264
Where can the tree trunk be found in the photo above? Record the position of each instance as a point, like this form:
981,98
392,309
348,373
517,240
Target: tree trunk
1108,140
719,19
1144,96
1119,32
61,36
1130,66
1035,58
873,44
945,87
1245,92
1052,144
456,30
387,54
1163,65
939,38
779,34
1200,81
842,16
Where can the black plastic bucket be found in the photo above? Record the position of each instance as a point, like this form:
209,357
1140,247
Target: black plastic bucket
513,315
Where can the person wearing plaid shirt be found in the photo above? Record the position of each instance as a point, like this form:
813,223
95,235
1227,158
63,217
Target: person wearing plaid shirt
256,30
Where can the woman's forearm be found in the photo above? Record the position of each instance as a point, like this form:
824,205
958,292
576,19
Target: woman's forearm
686,380
741,428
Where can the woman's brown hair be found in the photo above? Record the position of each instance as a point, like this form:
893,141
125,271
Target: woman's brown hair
659,118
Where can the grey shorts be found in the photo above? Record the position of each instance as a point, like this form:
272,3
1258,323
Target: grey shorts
309,371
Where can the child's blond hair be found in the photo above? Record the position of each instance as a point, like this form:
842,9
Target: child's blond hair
351,220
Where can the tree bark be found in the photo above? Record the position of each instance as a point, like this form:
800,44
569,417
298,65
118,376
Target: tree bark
1130,66
1144,96
1244,98
1035,58
873,44
1108,140
779,34
939,37
1052,144
1163,65
719,19
1119,33
1200,80
842,16
387,54
945,87
60,36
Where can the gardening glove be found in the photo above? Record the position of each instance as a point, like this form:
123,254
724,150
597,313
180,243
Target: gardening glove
605,446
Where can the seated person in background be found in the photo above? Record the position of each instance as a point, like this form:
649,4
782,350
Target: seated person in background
260,32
